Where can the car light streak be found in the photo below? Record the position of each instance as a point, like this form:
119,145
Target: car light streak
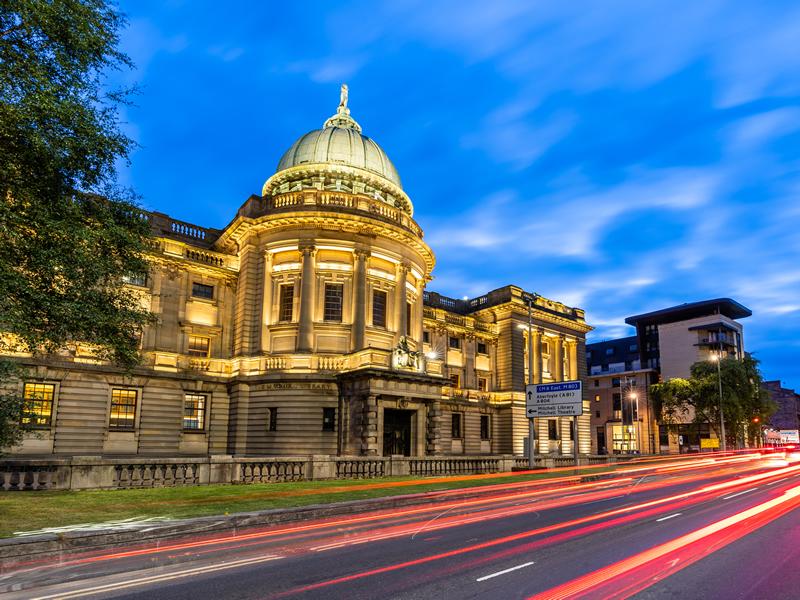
504,571
609,581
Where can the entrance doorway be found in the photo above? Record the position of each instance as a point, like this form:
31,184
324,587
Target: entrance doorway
397,432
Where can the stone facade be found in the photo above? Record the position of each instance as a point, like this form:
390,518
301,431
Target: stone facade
304,328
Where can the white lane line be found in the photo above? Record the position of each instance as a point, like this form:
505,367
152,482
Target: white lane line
158,578
739,493
779,480
504,571
668,517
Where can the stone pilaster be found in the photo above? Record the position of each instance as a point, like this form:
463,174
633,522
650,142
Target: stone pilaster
418,310
572,354
537,355
556,358
305,332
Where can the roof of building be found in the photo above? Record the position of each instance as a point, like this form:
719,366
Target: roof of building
341,142
624,349
691,310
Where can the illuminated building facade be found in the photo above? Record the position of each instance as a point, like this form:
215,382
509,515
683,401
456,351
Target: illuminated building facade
304,328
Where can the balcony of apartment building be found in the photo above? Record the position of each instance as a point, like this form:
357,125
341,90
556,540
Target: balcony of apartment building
718,337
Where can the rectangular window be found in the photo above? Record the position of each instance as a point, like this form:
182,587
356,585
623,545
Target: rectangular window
485,427
328,419
286,303
597,397
483,384
38,397
609,351
615,382
597,414
616,402
272,419
194,411
454,343
426,337
123,409
596,383
552,429
633,347
201,290
379,309
482,348
198,345
334,292
139,279
455,429
455,380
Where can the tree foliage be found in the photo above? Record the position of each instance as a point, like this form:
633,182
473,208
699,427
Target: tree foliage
68,232
698,397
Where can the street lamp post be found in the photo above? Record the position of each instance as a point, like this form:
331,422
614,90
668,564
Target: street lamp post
717,358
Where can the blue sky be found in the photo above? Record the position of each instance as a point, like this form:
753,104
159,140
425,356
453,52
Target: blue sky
618,156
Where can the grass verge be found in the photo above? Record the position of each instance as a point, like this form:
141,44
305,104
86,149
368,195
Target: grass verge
30,511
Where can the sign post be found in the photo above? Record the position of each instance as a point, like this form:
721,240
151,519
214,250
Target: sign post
561,399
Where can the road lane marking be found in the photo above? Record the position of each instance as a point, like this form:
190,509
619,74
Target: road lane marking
739,493
504,571
111,587
779,480
668,517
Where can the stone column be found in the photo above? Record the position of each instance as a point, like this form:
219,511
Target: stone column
557,368
418,311
358,337
369,429
434,427
305,332
572,352
400,301
537,355
266,302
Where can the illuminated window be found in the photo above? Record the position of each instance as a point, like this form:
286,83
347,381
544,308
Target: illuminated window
38,411
201,290
286,303
456,431
123,409
194,411
333,302
455,380
328,419
597,397
483,384
198,345
485,429
379,308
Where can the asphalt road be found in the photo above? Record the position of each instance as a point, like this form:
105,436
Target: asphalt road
698,528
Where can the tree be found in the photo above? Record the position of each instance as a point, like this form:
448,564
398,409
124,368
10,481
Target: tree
68,232
743,398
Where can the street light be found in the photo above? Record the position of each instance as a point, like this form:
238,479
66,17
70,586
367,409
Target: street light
717,358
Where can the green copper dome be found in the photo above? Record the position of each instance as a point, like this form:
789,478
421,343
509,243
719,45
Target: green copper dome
340,141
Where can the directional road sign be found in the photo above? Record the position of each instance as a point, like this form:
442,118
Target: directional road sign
563,399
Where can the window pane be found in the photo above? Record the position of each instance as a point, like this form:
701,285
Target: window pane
194,411
328,419
198,345
484,427
272,419
201,290
286,306
456,425
333,301
482,348
379,308
454,342
123,409
139,279
38,411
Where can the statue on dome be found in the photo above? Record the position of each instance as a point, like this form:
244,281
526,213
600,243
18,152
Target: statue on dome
343,97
